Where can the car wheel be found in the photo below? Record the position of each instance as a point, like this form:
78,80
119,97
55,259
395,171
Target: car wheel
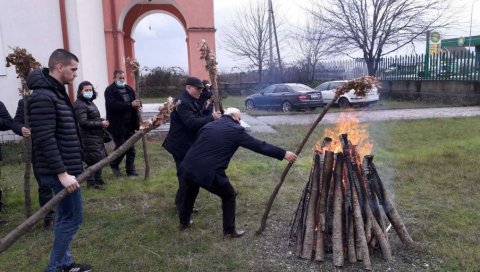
286,106
343,103
249,105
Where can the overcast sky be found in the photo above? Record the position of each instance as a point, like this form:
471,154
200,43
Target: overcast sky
160,39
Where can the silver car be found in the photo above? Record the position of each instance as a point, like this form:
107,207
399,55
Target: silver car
348,99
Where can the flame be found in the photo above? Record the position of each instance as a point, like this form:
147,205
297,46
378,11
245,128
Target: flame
357,134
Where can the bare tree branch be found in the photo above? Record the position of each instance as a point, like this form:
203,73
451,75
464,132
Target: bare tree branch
379,27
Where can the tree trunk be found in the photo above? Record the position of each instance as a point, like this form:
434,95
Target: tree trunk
28,158
146,158
360,231
310,222
337,237
322,206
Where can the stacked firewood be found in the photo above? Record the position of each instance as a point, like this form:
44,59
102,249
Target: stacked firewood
340,210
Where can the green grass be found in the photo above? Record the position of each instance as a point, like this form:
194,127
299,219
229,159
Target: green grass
430,167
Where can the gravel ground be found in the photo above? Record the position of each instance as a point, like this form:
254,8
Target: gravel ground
273,249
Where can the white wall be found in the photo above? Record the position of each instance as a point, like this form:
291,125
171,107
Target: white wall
87,41
30,25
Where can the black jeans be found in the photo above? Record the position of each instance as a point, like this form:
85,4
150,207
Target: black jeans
130,154
45,193
226,192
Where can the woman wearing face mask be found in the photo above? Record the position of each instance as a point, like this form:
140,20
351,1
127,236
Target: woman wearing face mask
91,130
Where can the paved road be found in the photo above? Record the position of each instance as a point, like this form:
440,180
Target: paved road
264,123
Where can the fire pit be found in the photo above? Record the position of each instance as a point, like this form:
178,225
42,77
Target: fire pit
345,208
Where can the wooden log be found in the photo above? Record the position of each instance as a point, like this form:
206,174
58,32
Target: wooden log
352,255
337,237
390,209
310,222
322,206
360,231
302,216
371,197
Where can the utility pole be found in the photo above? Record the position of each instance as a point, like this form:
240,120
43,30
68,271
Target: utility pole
276,39
270,37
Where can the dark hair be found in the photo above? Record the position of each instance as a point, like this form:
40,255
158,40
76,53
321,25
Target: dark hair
117,72
60,56
80,88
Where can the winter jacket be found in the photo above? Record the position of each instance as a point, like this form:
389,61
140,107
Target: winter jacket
91,130
56,146
185,121
116,108
215,145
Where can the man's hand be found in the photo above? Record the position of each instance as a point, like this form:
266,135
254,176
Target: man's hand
136,103
105,124
290,157
216,115
69,182
25,132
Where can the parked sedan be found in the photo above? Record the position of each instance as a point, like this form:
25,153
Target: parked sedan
348,99
287,96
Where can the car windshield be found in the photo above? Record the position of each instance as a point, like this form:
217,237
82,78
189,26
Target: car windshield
301,88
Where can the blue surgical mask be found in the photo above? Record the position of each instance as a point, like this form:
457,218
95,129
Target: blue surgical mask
88,95
120,83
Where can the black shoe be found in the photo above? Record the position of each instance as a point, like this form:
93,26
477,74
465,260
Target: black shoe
49,224
116,171
74,267
132,174
185,226
234,234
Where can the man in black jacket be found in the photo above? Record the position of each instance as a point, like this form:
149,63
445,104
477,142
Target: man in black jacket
56,150
6,123
45,193
122,108
185,121
205,163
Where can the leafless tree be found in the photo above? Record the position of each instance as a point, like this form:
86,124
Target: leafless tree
378,27
312,44
248,35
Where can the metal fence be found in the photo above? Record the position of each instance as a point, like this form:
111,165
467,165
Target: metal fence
444,66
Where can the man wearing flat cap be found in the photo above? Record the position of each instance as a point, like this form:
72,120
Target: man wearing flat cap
185,121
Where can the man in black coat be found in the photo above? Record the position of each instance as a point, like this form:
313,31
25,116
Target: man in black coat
6,123
205,163
185,121
122,108
45,193
57,150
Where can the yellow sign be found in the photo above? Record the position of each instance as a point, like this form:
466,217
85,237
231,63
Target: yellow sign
434,48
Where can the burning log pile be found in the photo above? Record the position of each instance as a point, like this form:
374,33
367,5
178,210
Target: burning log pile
340,210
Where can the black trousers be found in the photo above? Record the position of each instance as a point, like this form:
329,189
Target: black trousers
179,196
226,192
45,193
130,154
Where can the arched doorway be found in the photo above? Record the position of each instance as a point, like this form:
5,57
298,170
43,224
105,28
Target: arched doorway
121,17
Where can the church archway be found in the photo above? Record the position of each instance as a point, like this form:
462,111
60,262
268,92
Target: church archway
121,17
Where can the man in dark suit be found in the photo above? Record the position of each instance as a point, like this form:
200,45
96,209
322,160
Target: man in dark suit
122,108
205,163
185,122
